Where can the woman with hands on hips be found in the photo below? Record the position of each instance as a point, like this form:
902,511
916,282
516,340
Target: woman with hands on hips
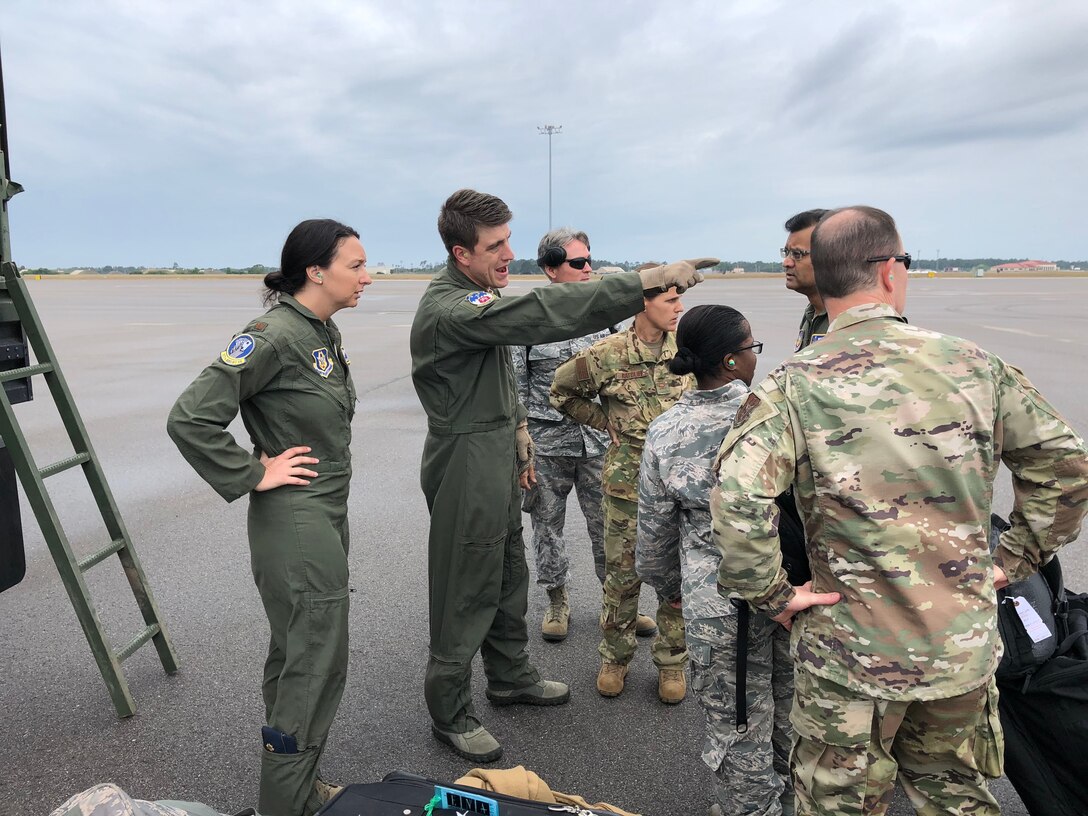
288,375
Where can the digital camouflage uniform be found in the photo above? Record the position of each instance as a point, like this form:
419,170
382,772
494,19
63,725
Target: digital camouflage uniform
567,455
634,386
109,800
676,555
461,370
813,327
892,436
288,376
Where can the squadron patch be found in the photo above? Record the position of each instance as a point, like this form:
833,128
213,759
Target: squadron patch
480,298
746,410
322,362
239,348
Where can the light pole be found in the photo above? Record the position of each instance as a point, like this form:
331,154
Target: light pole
549,131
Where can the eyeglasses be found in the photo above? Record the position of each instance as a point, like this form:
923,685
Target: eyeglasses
796,254
757,348
903,259
579,263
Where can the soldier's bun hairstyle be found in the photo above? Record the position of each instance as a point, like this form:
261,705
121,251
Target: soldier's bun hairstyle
705,336
312,243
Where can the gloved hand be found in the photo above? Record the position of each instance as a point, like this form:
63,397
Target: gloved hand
523,443
681,274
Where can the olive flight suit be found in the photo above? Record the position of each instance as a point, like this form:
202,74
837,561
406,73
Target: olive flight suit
461,369
288,375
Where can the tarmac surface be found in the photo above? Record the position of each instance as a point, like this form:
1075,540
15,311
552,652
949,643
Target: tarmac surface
129,347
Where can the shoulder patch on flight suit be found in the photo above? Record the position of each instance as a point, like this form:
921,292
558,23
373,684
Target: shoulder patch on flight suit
322,362
581,369
237,350
480,298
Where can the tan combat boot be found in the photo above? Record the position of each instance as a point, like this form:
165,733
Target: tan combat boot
610,679
556,616
671,685
645,626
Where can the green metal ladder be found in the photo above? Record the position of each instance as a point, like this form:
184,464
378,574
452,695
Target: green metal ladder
33,479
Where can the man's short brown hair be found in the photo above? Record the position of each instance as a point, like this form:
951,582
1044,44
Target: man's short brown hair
465,212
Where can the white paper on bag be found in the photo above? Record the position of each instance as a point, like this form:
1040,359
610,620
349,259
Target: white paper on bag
1033,624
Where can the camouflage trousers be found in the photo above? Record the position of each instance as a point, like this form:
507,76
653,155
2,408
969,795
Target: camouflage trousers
753,767
621,590
555,476
849,749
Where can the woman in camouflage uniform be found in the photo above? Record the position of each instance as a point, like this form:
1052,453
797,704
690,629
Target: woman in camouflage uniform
677,556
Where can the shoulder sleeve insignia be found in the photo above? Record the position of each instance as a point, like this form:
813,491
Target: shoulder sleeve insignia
581,369
480,298
238,349
746,410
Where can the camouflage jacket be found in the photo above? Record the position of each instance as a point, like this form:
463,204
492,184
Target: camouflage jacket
892,436
813,327
553,433
634,389
676,553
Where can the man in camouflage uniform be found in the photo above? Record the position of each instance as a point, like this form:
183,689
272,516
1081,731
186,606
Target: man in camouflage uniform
628,372
892,436
797,264
567,454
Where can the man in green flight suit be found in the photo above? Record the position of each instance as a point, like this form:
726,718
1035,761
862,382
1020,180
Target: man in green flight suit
478,443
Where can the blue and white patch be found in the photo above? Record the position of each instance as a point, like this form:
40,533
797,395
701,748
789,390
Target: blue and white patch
240,347
480,298
322,362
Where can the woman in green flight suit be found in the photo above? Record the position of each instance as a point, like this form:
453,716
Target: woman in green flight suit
288,375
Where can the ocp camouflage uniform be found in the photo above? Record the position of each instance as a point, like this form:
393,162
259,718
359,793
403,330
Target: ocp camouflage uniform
107,799
677,556
567,455
892,436
813,327
634,386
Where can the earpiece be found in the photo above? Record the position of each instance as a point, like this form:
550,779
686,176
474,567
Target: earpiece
552,258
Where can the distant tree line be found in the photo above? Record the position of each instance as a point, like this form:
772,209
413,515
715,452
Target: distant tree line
522,266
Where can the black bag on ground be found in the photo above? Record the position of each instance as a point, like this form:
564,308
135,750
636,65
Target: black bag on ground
1043,684
399,792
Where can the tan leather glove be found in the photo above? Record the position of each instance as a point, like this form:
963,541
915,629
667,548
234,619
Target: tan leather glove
525,447
681,274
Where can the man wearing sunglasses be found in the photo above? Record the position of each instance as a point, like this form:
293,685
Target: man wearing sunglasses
797,264
892,436
567,454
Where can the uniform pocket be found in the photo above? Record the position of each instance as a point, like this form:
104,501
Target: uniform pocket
989,747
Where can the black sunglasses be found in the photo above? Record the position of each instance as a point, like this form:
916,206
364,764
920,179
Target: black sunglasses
579,263
903,259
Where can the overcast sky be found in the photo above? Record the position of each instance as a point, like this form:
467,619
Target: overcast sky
148,133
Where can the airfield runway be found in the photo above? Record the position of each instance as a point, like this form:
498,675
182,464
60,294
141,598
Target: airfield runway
129,347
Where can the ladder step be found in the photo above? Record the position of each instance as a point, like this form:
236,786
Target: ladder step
138,641
105,552
25,371
63,465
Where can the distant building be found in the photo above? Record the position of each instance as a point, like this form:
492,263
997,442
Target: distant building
1026,266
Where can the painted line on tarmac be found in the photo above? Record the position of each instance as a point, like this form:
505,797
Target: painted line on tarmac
1016,331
